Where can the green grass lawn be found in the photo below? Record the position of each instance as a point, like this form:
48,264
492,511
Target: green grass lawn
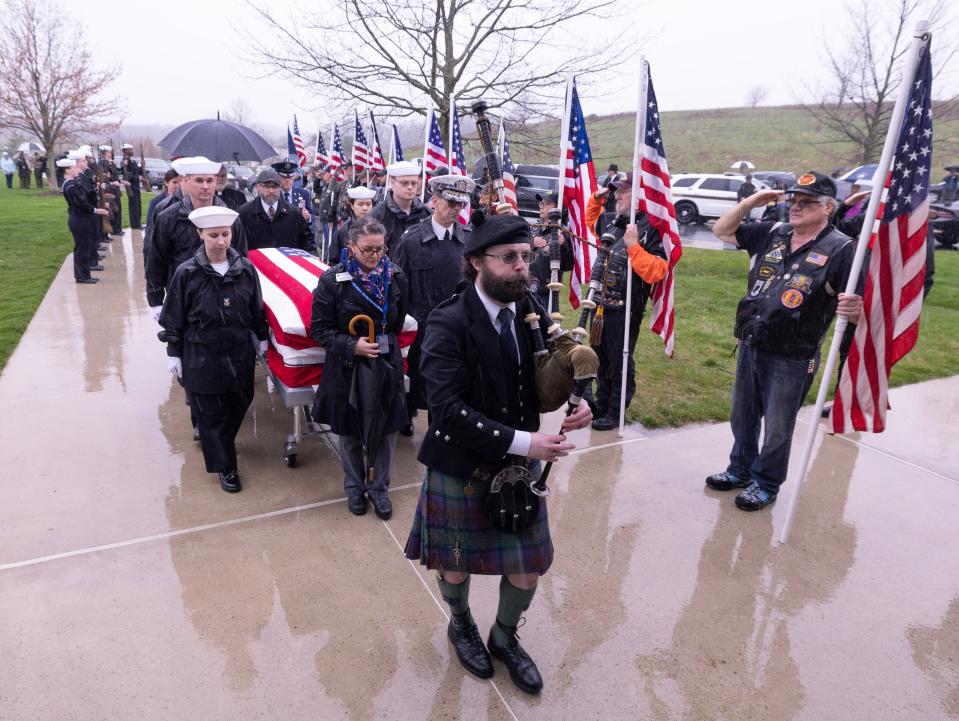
34,240
694,386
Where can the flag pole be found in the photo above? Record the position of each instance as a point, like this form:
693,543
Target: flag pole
426,142
637,141
921,37
564,144
449,145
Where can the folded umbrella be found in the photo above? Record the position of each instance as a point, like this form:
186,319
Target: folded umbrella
217,140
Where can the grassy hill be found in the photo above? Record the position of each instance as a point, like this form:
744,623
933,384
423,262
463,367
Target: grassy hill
774,138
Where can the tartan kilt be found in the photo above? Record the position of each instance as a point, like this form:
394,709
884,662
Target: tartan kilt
447,521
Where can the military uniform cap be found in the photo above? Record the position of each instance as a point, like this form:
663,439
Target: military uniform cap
126,146
66,162
361,193
286,168
76,154
454,188
496,230
814,183
105,148
403,167
213,216
197,165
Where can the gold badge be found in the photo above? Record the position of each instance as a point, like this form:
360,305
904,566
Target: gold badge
792,298
806,179
765,271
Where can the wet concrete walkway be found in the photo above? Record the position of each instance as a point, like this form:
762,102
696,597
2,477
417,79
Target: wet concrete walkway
132,587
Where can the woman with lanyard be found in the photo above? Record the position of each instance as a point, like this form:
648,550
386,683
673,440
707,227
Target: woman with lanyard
212,306
365,283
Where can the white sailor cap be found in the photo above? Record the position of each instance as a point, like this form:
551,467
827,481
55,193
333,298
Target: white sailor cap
403,167
104,148
86,150
454,188
77,155
197,165
66,162
213,216
126,146
361,193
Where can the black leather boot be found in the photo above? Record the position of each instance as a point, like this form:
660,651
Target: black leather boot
468,644
522,669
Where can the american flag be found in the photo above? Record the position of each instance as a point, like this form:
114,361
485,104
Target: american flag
457,161
509,179
396,154
435,155
361,149
578,185
290,146
338,157
892,300
656,200
321,156
377,161
298,148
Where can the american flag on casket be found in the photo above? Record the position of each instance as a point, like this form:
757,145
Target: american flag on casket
288,277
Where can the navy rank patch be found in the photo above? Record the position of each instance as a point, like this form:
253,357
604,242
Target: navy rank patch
792,298
800,282
775,255
817,259
765,271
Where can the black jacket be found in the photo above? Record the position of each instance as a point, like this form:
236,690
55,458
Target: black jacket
286,230
233,198
614,297
539,271
335,302
207,321
432,266
174,241
78,200
397,221
473,412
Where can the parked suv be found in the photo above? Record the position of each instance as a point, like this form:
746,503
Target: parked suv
155,170
700,196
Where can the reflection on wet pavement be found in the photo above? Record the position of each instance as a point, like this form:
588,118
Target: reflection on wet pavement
664,602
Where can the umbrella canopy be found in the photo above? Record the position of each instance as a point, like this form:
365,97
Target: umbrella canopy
31,147
742,165
218,140
371,394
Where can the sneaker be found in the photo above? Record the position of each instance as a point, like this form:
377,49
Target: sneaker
754,498
726,481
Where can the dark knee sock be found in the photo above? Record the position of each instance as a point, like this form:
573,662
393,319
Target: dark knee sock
457,595
512,603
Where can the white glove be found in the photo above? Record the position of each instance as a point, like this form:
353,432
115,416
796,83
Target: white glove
175,366
155,311
263,346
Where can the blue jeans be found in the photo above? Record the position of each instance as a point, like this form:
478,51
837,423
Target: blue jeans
354,470
769,388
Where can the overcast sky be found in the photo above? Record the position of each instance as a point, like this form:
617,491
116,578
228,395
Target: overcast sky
703,54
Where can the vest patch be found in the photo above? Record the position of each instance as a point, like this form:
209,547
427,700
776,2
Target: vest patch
765,271
800,282
817,259
792,298
775,255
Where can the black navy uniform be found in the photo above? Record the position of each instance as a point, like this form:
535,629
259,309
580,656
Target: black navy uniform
79,213
396,220
132,172
111,177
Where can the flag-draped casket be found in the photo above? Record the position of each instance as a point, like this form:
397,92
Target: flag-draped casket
288,277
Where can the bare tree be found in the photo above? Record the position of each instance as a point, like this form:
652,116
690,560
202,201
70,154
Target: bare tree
49,87
856,102
402,53
239,111
757,95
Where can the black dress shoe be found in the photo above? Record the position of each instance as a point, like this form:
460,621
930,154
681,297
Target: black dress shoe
196,434
468,644
356,502
725,481
606,423
407,430
87,281
382,507
230,482
96,267
522,669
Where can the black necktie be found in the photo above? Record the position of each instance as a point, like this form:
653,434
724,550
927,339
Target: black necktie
446,239
289,198
507,340
272,212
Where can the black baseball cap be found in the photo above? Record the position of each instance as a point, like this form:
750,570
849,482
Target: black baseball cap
813,182
549,196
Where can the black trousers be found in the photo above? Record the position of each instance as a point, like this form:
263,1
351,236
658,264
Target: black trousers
609,378
116,214
82,240
219,417
134,207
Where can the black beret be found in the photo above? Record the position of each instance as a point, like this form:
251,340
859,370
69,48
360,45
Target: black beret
496,230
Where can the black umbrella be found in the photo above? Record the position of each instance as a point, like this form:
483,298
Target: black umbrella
371,394
217,140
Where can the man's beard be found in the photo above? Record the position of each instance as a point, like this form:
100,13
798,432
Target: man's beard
504,290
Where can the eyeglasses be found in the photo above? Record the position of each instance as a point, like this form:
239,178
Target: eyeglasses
510,257
406,183
371,252
800,204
